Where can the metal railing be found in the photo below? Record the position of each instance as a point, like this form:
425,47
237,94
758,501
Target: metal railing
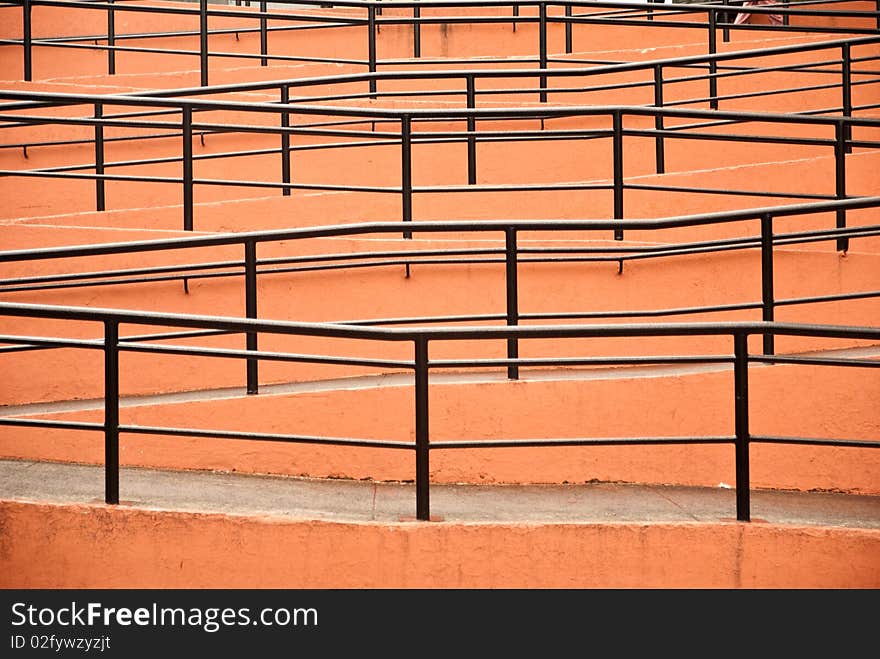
840,141
741,438
658,82
833,135
367,15
512,255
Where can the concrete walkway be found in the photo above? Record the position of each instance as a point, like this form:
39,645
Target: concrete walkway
363,501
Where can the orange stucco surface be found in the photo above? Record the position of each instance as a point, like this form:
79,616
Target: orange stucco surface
48,545
129,548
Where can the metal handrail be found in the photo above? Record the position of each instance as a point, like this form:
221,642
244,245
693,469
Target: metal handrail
645,14
111,345
841,143
512,255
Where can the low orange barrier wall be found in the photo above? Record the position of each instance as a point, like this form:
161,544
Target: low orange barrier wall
51,546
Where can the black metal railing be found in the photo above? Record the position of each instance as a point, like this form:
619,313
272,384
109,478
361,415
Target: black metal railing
669,123
421,364
367,16
832,135
658,79
512,255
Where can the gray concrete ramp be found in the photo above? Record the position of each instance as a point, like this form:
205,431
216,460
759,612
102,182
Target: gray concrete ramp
366,501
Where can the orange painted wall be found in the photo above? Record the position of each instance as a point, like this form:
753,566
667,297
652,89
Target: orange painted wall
49,546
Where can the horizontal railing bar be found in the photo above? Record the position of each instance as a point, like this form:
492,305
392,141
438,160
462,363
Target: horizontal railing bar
51,341
814,441
216,129
586,441
262,355
47,423
727,192
510,187
40,120
382,263
132,280
295,186
731,137
642,313
367,322
745,27
334,22
732,245
645,330
826,298
96,177
578,361
184,269
260,436
815,361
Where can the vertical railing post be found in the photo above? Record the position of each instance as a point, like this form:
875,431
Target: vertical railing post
417,32
99,158
846,88
111,411
203,41
785,17
472,128
111,38
264,34
741,388
659,145
250,303
406,170
515,16
187,168
542,48
512,284
713,65
568,39
27,39
423,474
840,179
285,142
617,139
767,295
371,46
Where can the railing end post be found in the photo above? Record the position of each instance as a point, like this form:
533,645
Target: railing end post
111,411
422,443
741,415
